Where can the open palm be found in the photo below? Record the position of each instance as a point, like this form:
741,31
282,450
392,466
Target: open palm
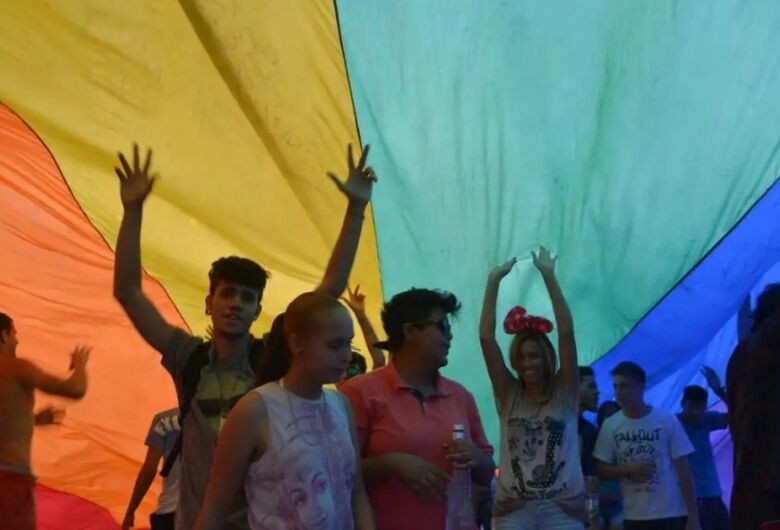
712,377
79,357
544,260
134,181
504,269
360,179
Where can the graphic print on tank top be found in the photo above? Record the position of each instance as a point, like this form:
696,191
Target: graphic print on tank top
535,445
304,480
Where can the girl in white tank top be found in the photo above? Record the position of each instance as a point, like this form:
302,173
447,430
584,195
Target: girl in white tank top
291,442
304,478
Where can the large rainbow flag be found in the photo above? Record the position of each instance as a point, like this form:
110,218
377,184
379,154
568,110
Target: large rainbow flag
639,140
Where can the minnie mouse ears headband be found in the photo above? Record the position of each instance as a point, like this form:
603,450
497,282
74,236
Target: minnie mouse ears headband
518,320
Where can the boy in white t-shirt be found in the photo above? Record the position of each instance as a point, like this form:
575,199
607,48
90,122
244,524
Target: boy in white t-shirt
163,433
647,450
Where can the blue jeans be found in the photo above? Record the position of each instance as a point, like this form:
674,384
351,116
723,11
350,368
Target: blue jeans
538,515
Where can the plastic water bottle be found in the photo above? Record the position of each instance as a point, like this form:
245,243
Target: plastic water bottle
592,506
460,507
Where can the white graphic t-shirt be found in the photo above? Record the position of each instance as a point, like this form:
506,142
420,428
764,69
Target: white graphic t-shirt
658,438
163,434
540,454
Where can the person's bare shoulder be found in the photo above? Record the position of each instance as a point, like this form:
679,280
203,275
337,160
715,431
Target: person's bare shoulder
20,372
250,418
15,368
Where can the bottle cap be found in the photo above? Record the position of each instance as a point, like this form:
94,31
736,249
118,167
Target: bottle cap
458,431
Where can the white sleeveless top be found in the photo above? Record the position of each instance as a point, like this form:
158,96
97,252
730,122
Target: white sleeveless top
304,479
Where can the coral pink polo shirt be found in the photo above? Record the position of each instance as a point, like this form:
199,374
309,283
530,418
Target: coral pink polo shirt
391,419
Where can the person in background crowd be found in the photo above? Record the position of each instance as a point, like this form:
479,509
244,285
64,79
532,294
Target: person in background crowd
647,449
19,379
588,402
610,500
699,423
753,396
160,441
357,365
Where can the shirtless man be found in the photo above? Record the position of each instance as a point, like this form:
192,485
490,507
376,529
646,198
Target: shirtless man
18,380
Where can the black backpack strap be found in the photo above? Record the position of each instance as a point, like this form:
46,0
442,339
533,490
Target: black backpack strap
190,378
172,456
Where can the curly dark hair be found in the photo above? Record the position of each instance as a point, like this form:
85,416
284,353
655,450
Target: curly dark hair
414,305
238,270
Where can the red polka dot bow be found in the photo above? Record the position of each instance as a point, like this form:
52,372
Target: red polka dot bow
519,320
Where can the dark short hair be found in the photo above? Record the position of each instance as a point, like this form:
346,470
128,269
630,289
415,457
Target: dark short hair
414,305
6,323
586,371
631,370
242,271
275,362
696,394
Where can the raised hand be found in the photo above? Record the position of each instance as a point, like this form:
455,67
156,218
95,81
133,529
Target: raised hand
356,300
544,261
49,416
135,184
712,378
360,180
502,270
79,357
